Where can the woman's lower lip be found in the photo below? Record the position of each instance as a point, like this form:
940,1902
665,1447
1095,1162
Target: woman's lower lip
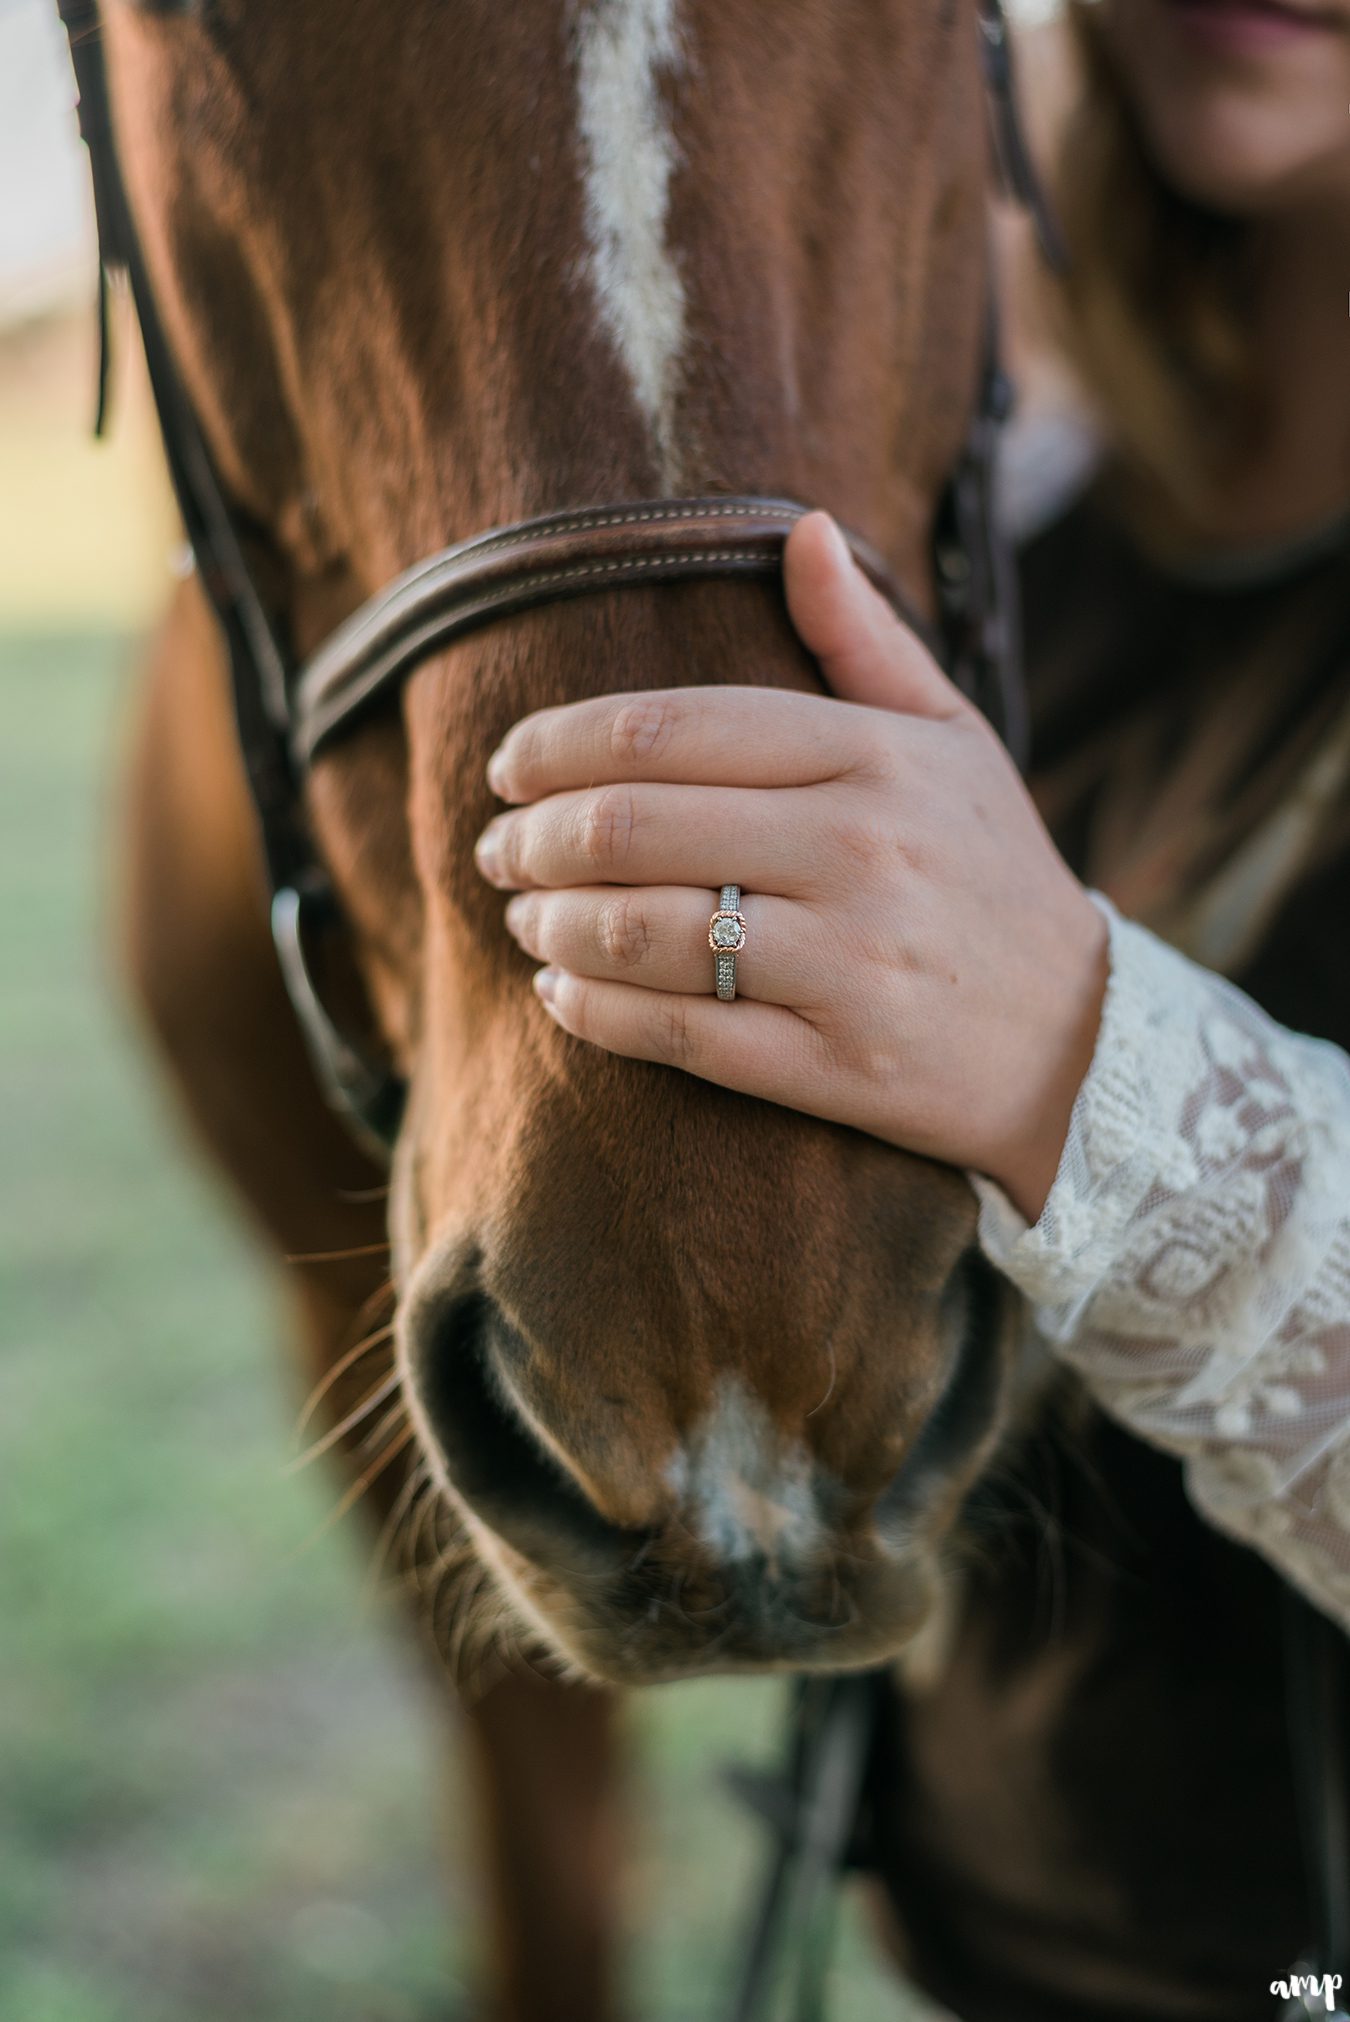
1245,27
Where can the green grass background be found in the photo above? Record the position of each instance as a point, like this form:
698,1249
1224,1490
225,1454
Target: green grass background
219,1773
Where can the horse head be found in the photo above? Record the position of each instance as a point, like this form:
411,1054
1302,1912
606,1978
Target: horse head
705,1381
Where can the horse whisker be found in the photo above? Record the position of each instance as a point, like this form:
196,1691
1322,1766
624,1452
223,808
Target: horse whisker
356,1491
392,1382
834,1378
418,1565
418,1481
339,1369
338,1256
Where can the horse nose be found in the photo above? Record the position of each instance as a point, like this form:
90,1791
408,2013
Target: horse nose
720,1551
655,1521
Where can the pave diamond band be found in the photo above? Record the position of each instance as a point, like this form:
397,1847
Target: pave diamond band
726,938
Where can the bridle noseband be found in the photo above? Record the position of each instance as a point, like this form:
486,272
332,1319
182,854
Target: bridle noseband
538,562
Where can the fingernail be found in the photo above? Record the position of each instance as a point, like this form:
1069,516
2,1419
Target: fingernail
515,917
496,773
546,986
487,853
843,554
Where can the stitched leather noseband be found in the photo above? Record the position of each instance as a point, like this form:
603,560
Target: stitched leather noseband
535,562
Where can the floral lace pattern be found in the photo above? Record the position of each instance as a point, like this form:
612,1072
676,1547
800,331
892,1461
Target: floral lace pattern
1192,1261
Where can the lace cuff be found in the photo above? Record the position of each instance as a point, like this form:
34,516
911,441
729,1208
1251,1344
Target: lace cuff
1192,1260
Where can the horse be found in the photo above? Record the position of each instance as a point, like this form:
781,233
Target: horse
674,1381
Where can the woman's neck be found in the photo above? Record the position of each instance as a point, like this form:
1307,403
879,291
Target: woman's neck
1299,473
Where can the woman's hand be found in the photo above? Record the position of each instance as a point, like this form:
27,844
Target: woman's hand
919,961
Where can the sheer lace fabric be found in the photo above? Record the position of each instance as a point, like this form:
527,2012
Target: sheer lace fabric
1192,1260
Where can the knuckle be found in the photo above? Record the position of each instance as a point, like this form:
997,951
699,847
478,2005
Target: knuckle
675,1027
644,727
807,1049
624,931
859,847
608,819
871,1065
873,758
880,943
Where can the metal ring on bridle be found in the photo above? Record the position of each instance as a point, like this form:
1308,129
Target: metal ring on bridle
726,938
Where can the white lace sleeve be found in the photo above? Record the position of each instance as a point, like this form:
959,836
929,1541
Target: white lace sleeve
1193,1259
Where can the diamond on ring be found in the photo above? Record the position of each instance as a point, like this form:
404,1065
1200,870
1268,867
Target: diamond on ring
726,938
727,930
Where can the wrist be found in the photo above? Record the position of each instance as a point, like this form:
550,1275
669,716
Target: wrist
1061,1042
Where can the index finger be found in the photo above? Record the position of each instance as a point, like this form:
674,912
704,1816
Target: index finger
718,736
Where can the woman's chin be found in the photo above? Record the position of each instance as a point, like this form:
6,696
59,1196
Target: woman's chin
1242,101
1245,159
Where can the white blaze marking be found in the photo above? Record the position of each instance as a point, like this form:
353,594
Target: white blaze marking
749,1494
623,45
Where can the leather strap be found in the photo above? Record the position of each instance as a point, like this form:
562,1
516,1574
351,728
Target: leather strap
1020,180
215,529
541,561
812,1810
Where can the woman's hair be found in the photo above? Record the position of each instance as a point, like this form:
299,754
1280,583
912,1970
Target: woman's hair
1153,311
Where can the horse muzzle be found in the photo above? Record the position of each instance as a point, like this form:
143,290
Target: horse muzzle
725,1542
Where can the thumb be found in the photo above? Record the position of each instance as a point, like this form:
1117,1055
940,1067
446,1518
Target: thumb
866,653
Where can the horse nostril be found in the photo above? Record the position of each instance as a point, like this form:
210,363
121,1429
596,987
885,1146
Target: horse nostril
974,1302
493,1461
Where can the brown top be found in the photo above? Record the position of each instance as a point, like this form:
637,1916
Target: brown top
1191,747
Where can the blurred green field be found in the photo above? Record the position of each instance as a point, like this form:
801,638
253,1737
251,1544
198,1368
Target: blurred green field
214,1766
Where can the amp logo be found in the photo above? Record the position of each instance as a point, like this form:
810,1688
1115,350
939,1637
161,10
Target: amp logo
1310,1987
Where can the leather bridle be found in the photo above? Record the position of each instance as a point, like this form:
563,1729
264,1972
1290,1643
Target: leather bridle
286,714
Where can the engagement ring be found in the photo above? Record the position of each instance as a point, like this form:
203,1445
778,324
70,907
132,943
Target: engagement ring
726,938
